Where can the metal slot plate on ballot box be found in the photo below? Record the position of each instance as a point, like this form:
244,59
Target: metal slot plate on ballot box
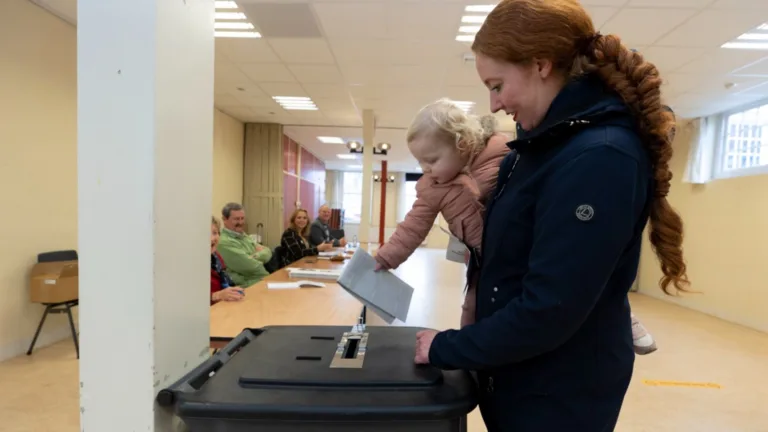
350,353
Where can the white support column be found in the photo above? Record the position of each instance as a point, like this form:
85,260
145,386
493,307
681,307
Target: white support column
145,130
369,132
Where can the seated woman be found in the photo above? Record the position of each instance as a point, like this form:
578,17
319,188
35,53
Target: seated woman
295,242
221,284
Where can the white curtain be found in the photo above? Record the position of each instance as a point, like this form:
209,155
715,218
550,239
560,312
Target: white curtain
401,205
334,188
701,157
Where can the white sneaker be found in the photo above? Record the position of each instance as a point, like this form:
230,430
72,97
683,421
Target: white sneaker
642,340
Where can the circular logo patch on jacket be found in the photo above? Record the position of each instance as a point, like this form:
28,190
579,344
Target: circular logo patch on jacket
585,212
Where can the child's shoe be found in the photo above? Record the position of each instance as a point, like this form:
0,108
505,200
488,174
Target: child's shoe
642,340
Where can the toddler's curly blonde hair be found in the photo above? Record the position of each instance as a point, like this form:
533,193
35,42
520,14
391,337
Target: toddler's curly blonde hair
444,120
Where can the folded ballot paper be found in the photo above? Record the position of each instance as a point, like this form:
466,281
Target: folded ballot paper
382,292
456,249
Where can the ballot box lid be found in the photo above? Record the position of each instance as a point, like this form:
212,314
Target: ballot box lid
321,374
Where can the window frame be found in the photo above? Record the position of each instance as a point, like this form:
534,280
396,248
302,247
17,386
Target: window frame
722,144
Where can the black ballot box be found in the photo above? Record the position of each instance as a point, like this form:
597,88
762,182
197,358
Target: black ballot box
312,378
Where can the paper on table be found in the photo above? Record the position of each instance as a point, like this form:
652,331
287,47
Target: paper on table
294,285
314,273
386,294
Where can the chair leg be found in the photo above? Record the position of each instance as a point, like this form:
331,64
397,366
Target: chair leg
39,327
74,330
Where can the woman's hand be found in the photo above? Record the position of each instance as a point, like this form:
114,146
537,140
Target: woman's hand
325,247
424,340
229,294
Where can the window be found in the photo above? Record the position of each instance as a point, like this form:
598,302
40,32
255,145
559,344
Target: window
745,141
410,194
352,198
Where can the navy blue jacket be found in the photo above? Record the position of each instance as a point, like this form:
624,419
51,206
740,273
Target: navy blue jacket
552,342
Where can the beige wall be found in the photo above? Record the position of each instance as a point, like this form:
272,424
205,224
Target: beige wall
726,244
38,166
228,139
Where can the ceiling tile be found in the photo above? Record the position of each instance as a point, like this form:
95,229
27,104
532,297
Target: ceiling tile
759,67
722,61
326,90
247,50
667,59
632,24
600,14
266,72
466,75
694,4
423,21
302,51
336,103
741,4
342,20
226,99
711,28
317,74
283,89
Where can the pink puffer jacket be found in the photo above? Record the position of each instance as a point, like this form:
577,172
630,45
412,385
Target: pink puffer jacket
461,201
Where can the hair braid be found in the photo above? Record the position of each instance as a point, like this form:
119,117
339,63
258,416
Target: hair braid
639,85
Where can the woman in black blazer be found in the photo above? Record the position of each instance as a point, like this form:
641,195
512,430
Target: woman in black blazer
294,241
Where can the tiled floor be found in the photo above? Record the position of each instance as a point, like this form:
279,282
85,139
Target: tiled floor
40,393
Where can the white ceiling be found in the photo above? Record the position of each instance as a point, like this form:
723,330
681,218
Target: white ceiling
393,56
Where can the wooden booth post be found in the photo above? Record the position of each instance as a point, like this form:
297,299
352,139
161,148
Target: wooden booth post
383,209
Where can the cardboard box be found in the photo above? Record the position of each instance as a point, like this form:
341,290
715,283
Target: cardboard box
54,282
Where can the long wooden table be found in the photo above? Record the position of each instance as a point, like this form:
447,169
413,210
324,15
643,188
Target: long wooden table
261,306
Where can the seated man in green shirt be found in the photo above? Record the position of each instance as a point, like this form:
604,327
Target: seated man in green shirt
244,257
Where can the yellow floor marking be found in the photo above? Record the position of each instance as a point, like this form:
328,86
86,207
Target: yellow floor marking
657,383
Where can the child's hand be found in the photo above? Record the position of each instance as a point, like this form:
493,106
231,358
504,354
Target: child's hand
380,267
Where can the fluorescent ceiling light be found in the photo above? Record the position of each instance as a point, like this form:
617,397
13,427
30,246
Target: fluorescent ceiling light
469,29
237,34
479,8
465,105
746,45
754,36
226,5
238,25
330,140
298,103
230,15
465,38
756,39
473,19
346,156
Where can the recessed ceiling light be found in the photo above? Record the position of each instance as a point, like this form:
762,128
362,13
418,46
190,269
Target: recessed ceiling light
230,15
476,15
330,140
756,39
354,166
226,5
237,34
237,25
346,156
466,106
473,19
480,8
471,29
297,103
